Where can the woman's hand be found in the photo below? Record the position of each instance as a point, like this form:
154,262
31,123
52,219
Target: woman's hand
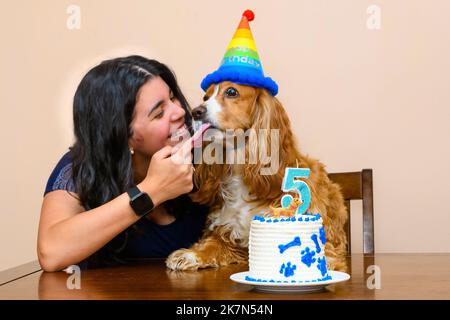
169,173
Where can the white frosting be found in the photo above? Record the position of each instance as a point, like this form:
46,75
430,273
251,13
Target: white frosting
288,263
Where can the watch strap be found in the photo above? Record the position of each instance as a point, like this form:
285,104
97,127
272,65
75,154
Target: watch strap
133,192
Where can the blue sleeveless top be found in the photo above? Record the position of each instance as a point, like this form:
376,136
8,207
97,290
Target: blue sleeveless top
145,238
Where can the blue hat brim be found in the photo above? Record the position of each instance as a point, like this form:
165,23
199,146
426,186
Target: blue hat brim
240,75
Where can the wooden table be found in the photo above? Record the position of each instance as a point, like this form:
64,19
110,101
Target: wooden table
403,276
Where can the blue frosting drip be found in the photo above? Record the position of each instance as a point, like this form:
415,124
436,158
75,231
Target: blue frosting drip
295,242
308,256
316,242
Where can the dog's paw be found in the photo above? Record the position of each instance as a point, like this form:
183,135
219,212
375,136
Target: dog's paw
183,259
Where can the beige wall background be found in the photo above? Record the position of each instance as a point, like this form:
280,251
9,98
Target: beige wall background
358,98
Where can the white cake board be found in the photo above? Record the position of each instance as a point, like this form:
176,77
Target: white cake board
274,287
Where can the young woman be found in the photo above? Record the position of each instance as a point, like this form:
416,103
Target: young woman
96,207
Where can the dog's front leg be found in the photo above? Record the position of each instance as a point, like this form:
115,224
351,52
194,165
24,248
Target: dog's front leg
211,251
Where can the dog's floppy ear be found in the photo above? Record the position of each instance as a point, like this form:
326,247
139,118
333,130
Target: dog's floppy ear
268,114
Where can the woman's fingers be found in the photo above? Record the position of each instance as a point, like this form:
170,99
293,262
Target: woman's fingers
163,153
181,154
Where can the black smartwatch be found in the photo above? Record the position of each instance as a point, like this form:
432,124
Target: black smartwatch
140,201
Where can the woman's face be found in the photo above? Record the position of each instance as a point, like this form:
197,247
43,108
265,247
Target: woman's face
157,116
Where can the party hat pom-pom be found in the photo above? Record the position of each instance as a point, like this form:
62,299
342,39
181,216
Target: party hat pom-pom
249,15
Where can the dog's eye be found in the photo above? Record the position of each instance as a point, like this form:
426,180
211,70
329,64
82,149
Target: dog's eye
231,92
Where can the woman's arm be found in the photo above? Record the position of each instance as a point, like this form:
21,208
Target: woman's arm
69,234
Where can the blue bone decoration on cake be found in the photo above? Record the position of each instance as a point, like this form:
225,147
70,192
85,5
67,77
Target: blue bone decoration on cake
323,237
316,242
322,266
295,242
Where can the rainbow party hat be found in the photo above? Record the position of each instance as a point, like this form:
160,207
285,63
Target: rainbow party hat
241,63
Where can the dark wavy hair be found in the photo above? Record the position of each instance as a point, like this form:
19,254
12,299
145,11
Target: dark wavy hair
103,109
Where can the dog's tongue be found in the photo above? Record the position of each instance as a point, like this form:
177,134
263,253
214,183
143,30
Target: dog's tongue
196,141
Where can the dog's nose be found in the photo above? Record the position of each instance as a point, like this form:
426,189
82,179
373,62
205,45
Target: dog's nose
199,113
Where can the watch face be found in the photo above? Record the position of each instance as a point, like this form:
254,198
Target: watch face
142,204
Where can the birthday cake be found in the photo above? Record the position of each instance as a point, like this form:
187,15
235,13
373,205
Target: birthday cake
287,250
286,244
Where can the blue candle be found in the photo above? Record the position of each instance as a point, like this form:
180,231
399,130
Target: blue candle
291,184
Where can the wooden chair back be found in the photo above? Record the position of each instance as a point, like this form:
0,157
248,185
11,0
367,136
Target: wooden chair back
358,186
